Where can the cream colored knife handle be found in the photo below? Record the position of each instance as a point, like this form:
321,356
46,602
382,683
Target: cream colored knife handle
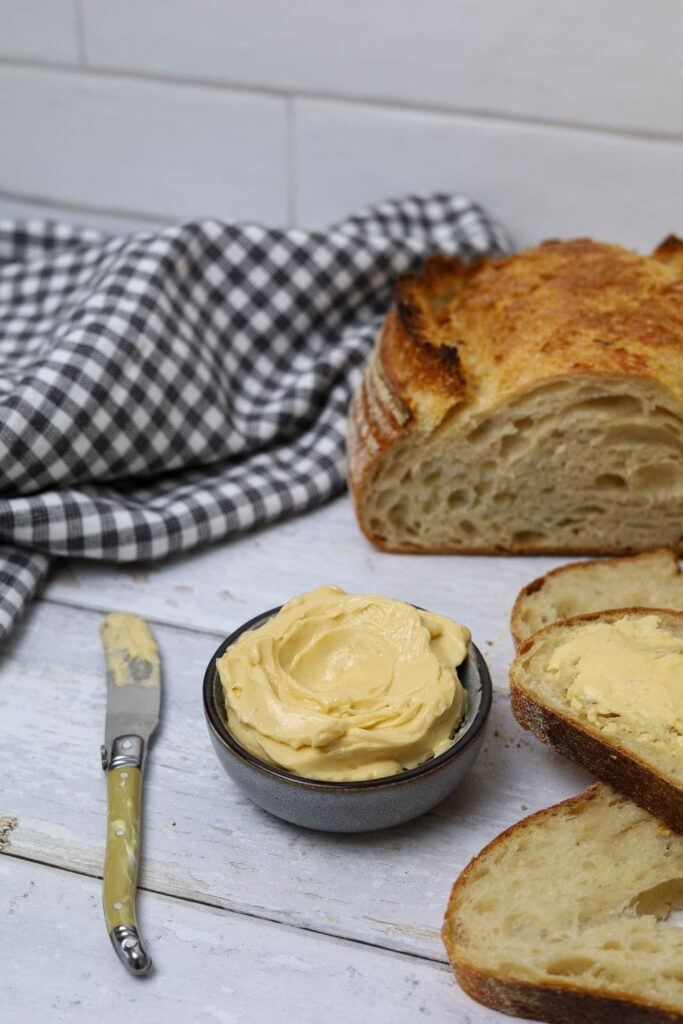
120,875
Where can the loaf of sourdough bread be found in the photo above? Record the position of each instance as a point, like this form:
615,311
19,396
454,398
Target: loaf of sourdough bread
650,580
566,917
526,404
606,690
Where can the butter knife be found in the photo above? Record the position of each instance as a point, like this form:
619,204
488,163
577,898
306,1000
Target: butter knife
133,703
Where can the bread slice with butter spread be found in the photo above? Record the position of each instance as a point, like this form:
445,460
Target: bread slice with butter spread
526,404
606,690
567,916
652,579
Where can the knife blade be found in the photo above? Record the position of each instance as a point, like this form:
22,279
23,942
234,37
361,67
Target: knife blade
133,710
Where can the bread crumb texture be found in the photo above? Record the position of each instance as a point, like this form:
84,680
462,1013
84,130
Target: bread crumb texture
650,580
583,895
533,403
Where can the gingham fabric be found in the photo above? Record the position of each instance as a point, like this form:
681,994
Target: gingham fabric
176,386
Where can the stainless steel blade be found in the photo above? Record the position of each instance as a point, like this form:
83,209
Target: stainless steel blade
133,677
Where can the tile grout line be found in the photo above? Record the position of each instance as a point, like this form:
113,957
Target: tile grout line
80,32
252,915
370,101
60,206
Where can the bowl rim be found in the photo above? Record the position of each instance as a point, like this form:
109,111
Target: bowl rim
236,749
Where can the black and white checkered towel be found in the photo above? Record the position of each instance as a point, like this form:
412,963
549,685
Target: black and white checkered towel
176,386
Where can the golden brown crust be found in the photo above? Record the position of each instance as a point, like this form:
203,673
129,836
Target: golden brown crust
555,1002
476,336
586,746
670,252
540,581
377,420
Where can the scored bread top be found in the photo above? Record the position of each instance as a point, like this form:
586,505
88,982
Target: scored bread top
483,332
484,375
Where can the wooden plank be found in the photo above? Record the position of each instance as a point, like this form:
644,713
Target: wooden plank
218,588
203,840
209,966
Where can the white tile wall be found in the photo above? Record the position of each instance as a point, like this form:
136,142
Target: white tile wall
565,116
143,147
39,30
13,208
541,182
601,62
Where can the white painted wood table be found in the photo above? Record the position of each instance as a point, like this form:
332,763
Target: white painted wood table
248,919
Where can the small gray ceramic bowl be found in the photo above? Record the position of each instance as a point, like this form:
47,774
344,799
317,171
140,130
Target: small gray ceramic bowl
350,806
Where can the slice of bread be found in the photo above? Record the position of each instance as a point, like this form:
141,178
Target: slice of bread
528,404
619,728
650,580
566,916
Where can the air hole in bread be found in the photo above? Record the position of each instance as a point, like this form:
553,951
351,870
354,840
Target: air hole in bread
642,946
511,442
637,434
528,536
467,527
481,432
610,482
431,477
570,966
660,899
397,513
457,499
384,497
568,606
514,924
610,403
660,413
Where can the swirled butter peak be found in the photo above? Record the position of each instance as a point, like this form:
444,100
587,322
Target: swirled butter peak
345,687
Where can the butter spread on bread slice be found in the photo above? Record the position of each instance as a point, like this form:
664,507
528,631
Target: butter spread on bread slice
606,690
567,916
526,404
650,580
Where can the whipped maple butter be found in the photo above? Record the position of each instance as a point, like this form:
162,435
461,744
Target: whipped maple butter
629,671
345,687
